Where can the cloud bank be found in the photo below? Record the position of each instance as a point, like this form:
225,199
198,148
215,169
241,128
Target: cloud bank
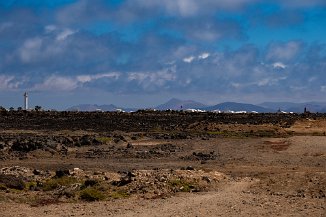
238,47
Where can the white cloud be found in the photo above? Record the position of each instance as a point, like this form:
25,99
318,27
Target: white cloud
182,51
73,12
203,55
312,79
173,7
6,82
64,34
149,80
65,83
284,51
188,8
297,88
50,28
279,65
30,50
188,81
270,81
184,7
206,34
38,49
188,59
89,78
57,83
323,88
235,85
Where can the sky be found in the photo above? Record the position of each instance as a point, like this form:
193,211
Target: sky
140,53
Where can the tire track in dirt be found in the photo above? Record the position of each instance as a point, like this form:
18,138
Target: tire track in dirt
215,203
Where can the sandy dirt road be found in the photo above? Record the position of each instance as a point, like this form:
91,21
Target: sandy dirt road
234,199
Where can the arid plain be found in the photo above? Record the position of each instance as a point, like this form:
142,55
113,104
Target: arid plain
162,164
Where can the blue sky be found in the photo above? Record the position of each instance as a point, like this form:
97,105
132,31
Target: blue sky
138,53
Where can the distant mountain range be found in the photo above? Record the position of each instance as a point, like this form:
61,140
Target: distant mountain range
233,106
296,107
177,104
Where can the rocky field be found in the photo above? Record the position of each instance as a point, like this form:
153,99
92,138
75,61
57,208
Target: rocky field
162,164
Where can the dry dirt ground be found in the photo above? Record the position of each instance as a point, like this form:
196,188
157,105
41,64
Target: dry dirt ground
219,173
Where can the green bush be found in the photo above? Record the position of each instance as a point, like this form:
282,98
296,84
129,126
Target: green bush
29,185
119,194
181,185
104,140
12,182
57,182
3,187
91,194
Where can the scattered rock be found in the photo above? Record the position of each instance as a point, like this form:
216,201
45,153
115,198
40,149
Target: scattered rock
124,180
61,173
200,156
90,182
36,172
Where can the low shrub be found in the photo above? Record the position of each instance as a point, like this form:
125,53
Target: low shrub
30,185
181,185
57,182
90,183
3,187
91,194
12,182
119,194
104,140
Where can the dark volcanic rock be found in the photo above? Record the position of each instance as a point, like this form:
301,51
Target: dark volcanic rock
26,145
124,180
61,173
143,121
200,156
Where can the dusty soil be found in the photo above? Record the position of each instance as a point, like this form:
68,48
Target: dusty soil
163,164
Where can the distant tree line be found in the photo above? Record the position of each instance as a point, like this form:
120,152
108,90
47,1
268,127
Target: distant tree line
36,108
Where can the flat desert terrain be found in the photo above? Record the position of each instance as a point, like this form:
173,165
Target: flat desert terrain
162,164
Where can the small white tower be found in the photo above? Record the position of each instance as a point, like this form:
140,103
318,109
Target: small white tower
26,101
